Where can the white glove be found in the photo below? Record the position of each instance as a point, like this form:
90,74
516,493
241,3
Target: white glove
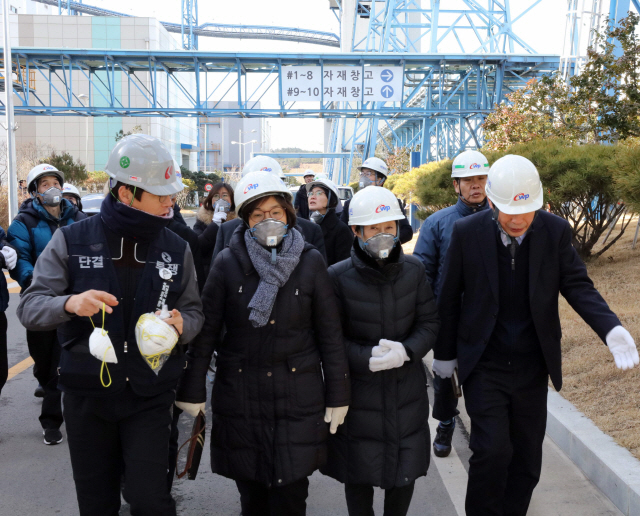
193,409
101,347
335,416
388,354
623,348
10,256
445,368
219,217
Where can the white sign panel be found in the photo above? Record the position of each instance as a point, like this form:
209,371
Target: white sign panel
301,83
342,83
382,83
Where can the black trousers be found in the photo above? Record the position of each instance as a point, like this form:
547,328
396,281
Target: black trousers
257,499
507,403
360,499
107,434
45,351
445,402
4,361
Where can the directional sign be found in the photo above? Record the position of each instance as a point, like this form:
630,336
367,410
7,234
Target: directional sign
330,83
387,92
382,83
208,187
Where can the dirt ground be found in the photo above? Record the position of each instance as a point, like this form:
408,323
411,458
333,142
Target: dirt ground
610,398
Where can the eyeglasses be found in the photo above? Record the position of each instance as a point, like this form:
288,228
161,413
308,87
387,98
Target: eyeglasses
274,213
317,193
368,173
225,196
163,198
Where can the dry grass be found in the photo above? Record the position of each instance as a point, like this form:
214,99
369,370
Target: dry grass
609,397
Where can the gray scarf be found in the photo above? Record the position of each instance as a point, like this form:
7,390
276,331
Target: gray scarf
272,276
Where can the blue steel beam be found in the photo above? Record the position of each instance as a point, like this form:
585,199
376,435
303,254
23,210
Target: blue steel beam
300,155
217,30
457,86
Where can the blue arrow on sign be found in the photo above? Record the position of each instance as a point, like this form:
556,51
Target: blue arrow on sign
387,92
386,75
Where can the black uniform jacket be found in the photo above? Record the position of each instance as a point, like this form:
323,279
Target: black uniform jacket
468,300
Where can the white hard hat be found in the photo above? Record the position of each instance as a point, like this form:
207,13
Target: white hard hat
263,164
309,172
325,184
377,165
177,169
70,189
144,161
41,171
469,163
514,186
259,184
373,205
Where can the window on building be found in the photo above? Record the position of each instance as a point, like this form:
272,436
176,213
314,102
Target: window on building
13,9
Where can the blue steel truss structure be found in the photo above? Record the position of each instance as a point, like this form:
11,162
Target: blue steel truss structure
451,92
190,30
472,27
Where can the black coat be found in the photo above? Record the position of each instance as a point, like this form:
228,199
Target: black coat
272,383
406,231
471,268
385,438
310,231
338,238
188,235
301,203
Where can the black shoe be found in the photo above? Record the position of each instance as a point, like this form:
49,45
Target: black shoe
39,393
442,442
52,436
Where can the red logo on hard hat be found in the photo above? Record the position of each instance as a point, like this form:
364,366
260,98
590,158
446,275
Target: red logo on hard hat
266,169
250,187
382,208
474,166
167,173
521,197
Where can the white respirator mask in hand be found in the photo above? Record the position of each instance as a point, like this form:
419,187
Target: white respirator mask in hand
101,347
155,338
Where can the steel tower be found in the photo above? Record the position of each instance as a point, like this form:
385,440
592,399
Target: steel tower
189,21
462,27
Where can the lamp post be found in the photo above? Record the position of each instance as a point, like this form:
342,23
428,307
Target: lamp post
12,168
242,148
240,133
86,135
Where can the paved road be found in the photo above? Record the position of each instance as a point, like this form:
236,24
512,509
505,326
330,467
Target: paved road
37,480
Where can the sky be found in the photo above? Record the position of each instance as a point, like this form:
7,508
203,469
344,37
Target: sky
542,28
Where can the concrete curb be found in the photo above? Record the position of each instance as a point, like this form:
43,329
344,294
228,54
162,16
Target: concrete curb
608,465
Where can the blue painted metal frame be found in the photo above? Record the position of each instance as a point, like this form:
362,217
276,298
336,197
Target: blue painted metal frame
449,85
213,30
342,177
404,27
